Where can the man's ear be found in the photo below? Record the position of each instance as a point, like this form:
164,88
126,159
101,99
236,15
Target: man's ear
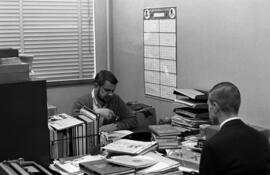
216,107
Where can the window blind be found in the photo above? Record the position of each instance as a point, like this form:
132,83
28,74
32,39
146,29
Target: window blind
59,33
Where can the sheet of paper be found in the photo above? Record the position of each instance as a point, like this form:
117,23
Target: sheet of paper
152,89
151,51
151,38
167,25
167,39
167,66
151,64
152,77
151,25
168,53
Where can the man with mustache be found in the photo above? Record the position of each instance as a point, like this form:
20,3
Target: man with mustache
114,113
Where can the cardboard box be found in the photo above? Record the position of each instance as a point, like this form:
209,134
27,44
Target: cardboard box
14,72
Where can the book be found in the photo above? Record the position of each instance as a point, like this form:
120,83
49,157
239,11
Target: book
136,162
90,140
194,113
192,103
164,130
63,121
103,167
126,146
95,117
192,93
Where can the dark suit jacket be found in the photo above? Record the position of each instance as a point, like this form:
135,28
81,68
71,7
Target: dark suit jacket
236,149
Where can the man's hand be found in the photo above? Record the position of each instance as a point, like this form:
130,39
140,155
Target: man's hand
106,113
108,128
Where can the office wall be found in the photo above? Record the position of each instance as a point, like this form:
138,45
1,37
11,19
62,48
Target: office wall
217,40
64,96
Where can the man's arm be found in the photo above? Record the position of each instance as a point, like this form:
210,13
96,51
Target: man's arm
208,161
81,102
127,119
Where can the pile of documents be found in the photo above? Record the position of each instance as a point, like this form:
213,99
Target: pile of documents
192,110
164,165
133,147
188,159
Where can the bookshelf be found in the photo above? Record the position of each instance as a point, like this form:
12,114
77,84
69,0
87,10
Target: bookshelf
24,122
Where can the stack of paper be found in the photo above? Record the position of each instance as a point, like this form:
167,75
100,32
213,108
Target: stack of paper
126,146
163,166
106,138
63,121
136,162
187,158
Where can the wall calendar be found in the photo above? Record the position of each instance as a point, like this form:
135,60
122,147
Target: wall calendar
160,49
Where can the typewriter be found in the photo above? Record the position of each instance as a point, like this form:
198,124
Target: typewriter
22,167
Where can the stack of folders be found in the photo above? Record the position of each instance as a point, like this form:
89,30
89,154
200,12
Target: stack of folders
131,147
165,135
192,110
63,129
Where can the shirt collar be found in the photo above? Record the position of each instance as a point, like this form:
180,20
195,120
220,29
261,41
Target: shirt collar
95,102
229,119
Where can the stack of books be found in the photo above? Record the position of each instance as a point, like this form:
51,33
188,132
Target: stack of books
63,129
70,136
165,135
91,121
192,110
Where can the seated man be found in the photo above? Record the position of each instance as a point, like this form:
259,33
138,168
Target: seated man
114,113
236,149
